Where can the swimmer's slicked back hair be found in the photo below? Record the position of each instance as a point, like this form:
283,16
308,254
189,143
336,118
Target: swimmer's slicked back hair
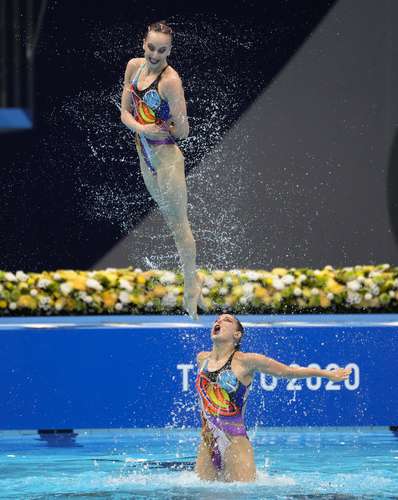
160,27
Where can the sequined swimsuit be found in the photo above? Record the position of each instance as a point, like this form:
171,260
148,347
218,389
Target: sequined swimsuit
223,400
149,107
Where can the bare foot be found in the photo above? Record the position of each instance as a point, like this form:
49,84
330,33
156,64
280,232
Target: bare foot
192,298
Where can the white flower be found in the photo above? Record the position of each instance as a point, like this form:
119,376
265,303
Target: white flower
209,281
353,298
253,275
297,292
288,279
21,276
237,272
82,295
88,299
314,291
391,293
330,295
12,305
205,291
58,306
248,289
169,300
301,278
118,306
125,285
317,272
374,273
34,292
228,280
44,301
124,297
277,283
174,290
43,283
137,270
96,285
395,283
1,288
374,290
56,276
111,269
354,285
167,278
65,288
222,291
149,304
243,300
10,277
368,296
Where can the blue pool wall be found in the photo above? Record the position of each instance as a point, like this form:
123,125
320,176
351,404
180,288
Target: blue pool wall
132,371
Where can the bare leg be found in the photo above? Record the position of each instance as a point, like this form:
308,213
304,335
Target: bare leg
239,461
204,466
168,188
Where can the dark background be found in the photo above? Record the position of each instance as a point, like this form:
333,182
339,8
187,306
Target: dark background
291,155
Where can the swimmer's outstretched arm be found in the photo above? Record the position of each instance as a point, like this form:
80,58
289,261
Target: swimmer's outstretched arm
261,363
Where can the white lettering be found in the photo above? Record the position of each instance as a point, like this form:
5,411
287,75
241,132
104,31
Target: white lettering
185,372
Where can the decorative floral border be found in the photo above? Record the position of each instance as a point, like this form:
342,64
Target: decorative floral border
362,288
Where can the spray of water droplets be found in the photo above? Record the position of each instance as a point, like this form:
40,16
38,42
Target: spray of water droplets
111,187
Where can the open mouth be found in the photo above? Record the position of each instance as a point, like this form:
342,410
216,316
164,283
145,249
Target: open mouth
153,61
216,329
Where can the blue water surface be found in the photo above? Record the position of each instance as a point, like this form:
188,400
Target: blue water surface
158,464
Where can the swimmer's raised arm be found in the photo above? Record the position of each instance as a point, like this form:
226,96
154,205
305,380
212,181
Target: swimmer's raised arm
264,364
174,93
125,107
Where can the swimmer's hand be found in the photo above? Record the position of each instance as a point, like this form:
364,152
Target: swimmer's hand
153,131
339,374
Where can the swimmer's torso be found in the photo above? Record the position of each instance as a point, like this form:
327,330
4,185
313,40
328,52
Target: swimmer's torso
221,393
148,104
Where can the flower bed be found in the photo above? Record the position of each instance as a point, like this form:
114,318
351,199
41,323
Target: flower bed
364,288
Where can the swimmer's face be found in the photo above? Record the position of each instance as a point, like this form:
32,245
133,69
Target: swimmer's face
225,329
157,47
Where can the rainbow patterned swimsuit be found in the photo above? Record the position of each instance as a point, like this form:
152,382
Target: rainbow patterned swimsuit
149,108
223,400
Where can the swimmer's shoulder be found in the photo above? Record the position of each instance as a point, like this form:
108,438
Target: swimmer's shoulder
133,66
201,356
245,358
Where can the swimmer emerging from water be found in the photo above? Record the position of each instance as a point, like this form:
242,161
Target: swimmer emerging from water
223,383
153,106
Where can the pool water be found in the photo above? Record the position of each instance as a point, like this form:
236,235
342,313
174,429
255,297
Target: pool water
158,464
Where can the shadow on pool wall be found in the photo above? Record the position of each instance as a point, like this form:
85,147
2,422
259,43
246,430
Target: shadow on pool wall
301,177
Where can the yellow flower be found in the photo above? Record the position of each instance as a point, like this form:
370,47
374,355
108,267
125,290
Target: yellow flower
27,301
137,299
218,275
3,304
237,291
324,301
159,291
260,292
109,298
141,279
334,287
280,271
78,283
67,274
